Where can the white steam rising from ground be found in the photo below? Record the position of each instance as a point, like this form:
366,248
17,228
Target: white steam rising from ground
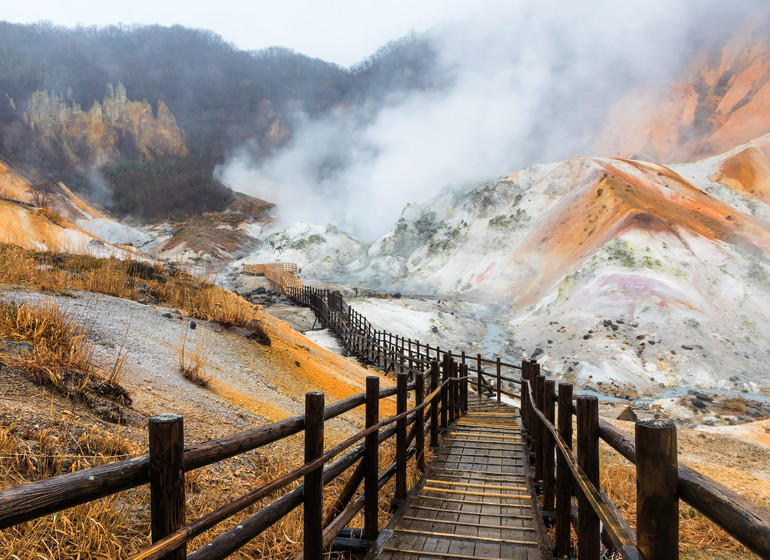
528,83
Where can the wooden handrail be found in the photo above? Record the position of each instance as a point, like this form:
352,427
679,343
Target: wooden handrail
36,499
40,498
621,538
745,521
742,519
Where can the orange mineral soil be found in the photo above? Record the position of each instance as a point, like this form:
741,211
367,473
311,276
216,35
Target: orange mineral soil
612,196
722,103
747,172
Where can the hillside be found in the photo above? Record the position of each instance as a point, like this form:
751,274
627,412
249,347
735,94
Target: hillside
723,101
122,113
49,216
621,274
91,348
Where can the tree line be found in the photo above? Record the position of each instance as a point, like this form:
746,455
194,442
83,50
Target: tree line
220,96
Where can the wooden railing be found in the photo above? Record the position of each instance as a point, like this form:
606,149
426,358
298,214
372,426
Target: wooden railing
168,460
446,378
281,274
391,352
661,481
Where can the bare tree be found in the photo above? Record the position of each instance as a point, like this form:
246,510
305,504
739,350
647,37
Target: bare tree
42,195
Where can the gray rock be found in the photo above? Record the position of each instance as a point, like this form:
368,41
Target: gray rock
628,415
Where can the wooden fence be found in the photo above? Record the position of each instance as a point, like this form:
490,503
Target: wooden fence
281,274
440,382
661,481
168,460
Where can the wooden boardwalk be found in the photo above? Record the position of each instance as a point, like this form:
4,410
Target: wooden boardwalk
476,499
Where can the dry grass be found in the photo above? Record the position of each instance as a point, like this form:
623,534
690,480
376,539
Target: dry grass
52,349
192,361
36,453
57,272
58,342
698,536
99,529
51,215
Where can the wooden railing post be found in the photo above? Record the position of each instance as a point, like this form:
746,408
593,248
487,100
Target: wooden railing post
589,540
525,397
539,428
445,369
464,388
314,447
563,475
402,380
499,380
452,367
657,500
371,456
535,368
410,358
419,398
167,492
549,497
479,379
434,383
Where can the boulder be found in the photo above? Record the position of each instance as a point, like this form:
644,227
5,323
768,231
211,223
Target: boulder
628,415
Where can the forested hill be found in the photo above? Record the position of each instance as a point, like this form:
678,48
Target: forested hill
133,111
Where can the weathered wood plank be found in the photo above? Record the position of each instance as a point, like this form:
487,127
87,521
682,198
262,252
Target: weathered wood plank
475,500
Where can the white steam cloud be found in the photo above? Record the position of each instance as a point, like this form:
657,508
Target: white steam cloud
528,82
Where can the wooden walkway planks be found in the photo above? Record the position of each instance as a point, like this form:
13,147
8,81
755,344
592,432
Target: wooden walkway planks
476,498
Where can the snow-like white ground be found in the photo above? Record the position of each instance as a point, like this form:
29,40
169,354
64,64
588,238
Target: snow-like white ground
115,232
326,339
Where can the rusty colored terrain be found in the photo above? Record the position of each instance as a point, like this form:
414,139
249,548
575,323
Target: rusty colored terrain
613,196
723,102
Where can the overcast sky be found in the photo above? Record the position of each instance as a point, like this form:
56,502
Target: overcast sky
340,31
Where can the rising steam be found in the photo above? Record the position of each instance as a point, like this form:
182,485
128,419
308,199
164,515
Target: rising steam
528,83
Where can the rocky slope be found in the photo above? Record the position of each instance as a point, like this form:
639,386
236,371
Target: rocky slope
321,252
723,102
613,272
50,216
97,136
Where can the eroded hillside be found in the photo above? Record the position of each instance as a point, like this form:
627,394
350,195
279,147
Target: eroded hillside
724,102
99,135
618,273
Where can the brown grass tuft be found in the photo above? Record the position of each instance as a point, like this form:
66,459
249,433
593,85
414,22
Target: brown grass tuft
51,214
56,341
192,362
51,348
55,272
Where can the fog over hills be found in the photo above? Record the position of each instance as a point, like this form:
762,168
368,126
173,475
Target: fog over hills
637,256
131,114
